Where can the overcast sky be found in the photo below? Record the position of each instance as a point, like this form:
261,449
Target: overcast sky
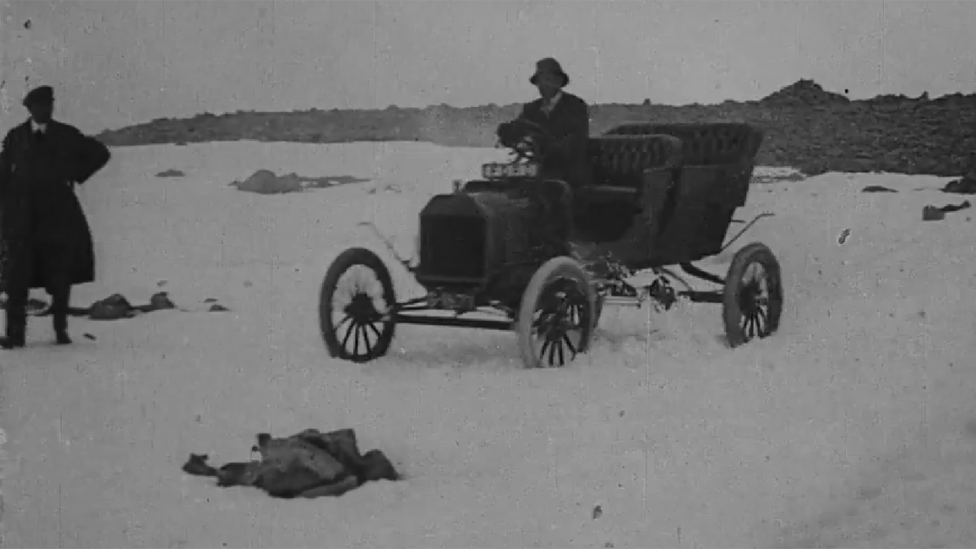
117,62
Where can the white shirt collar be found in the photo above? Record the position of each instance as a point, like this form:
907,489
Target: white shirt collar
551,104
36,126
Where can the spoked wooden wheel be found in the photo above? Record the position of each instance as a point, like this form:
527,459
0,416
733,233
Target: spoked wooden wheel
555,320
354,306
753,300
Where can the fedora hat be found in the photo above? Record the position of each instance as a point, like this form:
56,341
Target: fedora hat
549,66
42,94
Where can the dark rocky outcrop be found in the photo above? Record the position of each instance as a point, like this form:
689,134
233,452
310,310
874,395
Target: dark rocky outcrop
806,127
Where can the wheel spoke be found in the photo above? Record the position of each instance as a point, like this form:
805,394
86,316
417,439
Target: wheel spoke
341,323
545,346
372,326
345,340
364,338
747,325
569,343
552,353
355,348
366,342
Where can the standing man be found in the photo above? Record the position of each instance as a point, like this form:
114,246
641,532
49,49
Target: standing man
47,239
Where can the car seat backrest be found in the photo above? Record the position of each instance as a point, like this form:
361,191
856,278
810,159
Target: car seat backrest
621,159
704,144
717,165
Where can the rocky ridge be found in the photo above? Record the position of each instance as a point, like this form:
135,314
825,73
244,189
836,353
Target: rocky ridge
806,127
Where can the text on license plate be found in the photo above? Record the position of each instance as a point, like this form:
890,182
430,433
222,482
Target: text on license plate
495,171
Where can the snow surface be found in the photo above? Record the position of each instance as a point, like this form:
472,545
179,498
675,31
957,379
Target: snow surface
853,426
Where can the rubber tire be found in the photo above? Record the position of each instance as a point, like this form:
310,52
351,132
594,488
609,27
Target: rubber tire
555,267
755,252
346,260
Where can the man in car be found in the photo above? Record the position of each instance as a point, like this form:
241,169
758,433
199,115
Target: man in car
566,119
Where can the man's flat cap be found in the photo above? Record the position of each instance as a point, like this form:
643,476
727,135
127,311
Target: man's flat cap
42,94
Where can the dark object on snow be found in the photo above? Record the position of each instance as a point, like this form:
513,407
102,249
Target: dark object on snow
266,182
956,207
160,301
961,186
932,213
877,189
113,307
116,306
309,464
170,173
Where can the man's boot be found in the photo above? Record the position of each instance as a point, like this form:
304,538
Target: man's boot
16,329
12,341
61,328
60,297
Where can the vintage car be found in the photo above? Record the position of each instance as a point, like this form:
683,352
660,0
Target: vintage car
660,196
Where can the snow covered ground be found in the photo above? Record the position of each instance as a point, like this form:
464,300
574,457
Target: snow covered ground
853,426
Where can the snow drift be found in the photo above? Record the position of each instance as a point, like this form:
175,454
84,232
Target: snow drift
853,425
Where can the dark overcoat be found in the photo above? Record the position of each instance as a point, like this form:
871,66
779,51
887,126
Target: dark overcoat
569,123
41,218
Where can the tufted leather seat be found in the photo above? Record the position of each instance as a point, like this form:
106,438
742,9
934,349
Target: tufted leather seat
717,161
631,174
703,144
620,160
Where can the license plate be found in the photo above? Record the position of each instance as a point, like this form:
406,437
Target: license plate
497,171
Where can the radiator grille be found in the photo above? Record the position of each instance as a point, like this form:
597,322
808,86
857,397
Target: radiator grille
452,247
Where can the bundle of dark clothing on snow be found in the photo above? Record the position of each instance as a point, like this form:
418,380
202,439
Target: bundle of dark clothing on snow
966,185
309,464
932,213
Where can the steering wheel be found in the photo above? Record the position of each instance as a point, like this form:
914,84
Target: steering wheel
530,144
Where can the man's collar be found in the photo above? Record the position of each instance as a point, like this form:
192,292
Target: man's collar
37,126
549,104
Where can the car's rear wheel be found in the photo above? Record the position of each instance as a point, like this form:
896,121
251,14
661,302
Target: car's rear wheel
355,303
556,316
753,296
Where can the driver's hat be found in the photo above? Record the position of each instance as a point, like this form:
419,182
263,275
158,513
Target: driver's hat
39,95
550,66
